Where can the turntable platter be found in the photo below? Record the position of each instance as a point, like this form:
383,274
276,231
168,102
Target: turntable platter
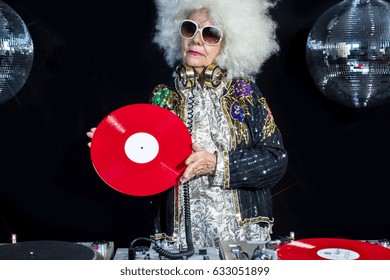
47,250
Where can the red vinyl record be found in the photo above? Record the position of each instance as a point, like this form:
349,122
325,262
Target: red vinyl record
140,149
332,249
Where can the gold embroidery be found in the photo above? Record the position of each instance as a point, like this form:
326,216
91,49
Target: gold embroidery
241,222
235,108
269,125
160,236
181,102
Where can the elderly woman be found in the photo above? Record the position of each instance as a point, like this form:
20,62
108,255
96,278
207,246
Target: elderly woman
216,49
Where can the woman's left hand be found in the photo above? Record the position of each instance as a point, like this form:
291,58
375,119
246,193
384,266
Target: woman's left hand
200,162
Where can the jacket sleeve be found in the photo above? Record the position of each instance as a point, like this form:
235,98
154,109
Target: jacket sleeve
261,162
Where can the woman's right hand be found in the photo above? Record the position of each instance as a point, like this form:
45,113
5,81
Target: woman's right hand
90,134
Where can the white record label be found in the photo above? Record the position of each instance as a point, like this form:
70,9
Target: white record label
337,254
141,147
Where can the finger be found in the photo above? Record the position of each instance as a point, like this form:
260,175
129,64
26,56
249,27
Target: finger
184,179
190,159
91,131
90,134
187,173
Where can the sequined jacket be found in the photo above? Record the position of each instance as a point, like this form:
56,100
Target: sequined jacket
254,163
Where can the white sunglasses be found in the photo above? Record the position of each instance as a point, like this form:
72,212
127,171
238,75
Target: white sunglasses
211,35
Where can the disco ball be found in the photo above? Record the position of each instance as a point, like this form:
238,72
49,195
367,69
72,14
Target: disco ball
348,53
16,53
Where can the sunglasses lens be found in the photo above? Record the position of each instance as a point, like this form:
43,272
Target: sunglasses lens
211,35
188,29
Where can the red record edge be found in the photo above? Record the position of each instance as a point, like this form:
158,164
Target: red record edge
331,249
114,166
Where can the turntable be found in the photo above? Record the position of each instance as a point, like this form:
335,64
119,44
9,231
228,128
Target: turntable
56,250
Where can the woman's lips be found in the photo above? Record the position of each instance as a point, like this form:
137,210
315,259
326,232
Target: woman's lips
195,53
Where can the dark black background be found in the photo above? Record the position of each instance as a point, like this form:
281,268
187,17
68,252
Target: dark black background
93,57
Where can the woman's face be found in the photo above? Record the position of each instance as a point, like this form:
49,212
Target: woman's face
194,51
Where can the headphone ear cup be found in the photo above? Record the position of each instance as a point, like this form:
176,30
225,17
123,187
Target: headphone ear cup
213,75
186,75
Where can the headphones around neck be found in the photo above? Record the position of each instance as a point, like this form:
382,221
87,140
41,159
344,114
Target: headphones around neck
213,75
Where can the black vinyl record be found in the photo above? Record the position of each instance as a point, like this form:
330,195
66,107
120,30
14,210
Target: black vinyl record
47,250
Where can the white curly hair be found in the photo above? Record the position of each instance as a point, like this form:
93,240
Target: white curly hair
249,32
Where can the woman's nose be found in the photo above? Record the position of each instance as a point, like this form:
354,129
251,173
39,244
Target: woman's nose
197,38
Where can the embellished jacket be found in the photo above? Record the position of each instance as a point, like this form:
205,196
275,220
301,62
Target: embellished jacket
255,161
